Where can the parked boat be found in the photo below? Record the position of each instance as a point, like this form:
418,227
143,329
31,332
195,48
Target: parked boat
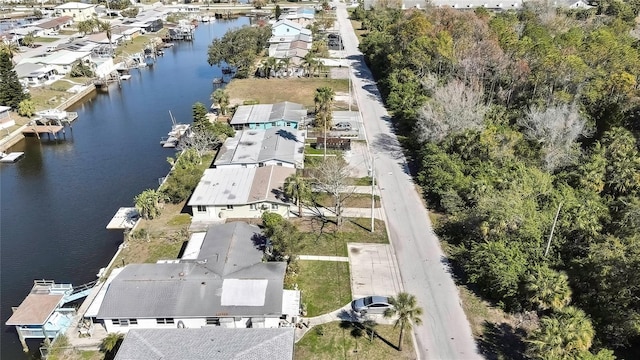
11,157
178,132
52,114
205,18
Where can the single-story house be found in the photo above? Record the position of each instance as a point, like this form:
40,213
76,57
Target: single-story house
303,16
128,32
265,116
76,10
306,39
225,283
27,30
5,117
280,146
102,39
52,26
287,27
209,343
62,60
34,74
572,4
80,45
228,193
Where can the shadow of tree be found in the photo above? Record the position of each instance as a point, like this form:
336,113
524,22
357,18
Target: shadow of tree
502,341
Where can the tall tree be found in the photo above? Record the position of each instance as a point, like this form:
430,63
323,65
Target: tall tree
556,130
548,289
11,91
407,311
323,98
332,177
454,109
221,99
297,187
562,335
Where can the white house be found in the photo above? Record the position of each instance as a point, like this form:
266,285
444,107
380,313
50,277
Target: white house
288,27
303,16
5,117
77,10
210,343
280,146
232,193
225,284
34,74
62,60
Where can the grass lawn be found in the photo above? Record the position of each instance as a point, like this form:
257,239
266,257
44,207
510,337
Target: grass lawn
339,340
309,150
325,285
363,181
131,47
269,91
353,201
326,239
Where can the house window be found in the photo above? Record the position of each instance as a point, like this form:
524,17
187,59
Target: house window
123,322
260,164
133,321
164,321
288,124
274,206
229,207
253,207
279,164
213,321
202,208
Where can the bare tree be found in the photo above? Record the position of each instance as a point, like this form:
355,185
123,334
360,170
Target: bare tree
202,141
556,129
333,177
454,108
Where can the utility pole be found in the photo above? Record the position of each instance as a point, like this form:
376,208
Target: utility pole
373,196
553,227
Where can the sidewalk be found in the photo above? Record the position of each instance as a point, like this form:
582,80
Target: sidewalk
346,212
323,258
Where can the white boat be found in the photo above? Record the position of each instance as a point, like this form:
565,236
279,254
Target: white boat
52,114
205,18
11,157
177,133
125,77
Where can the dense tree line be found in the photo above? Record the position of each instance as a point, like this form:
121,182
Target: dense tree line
239,48
512,118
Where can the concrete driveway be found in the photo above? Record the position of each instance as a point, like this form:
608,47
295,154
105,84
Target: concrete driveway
373,270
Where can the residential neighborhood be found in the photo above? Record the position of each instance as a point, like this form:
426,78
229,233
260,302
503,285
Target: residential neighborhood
320,180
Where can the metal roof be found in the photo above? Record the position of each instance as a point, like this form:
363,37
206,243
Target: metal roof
284,144
264,113
208,343
240,186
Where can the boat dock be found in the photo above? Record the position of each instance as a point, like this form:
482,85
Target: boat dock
125,218
41,314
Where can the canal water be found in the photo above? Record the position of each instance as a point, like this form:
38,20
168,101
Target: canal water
57,200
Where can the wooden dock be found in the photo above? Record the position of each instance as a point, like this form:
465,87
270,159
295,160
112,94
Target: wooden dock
42,129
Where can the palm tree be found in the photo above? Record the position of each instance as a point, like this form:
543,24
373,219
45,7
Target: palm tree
323,99
548,289
106,27
111,342
406,310
148,203
10,48
285,63
221,98
562,335
296,187
308,63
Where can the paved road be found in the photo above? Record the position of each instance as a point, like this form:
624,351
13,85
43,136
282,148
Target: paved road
446,333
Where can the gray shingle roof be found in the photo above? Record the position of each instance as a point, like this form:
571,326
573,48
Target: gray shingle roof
230,247
198,288
211,343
